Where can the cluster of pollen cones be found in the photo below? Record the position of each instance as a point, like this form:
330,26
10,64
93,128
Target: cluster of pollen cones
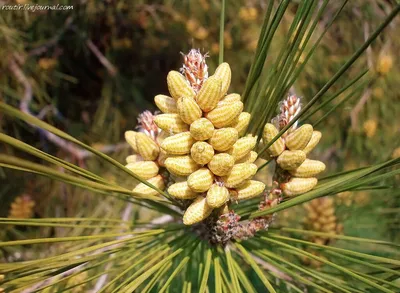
201,142
290,153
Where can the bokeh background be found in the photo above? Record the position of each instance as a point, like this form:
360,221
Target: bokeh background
91,70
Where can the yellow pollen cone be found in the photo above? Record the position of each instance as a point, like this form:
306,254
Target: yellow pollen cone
209,94
144,169
202,152
188,110
171,123
143,190
178,86
221,164
242,123
242,147
198,211
217,196
130,137
308,168
181,190
225,115
229,99
224,73
298,139
181,165
296,186
239,174
147,148
269,133
200,180
223,138
166,104
133,159
315,138
290,160
202,129
178,144
251,157
250,189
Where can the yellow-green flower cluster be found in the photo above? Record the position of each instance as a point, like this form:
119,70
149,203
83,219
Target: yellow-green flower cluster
206,148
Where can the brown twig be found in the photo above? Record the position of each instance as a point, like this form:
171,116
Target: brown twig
103,60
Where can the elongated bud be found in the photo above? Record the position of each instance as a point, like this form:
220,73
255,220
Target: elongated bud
278,146
202,129
239,174
209,94
197,211
242,123
188,110
223,138
225,115
298,139
133,159
309,168
200,180
181,166
178,144
130,137
296,186
290,160
223,72
147,148
250,189
202,152
221,164
251,157
171,123
217,196
143,190
166,104
315,138
178,86
242,147
144,169
181,190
